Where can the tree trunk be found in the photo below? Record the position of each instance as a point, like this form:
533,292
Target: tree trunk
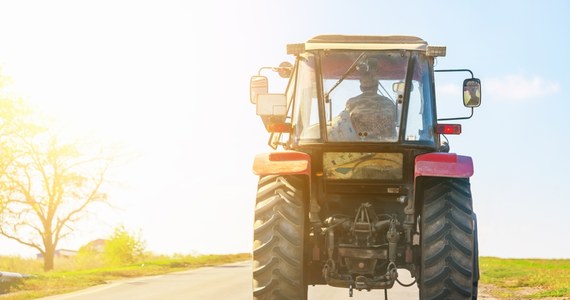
48,258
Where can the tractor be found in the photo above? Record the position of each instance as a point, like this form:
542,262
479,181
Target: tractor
360,183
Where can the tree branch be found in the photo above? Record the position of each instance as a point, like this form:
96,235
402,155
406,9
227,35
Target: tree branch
21,241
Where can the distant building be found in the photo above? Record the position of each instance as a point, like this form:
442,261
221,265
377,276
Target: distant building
97,245
60,253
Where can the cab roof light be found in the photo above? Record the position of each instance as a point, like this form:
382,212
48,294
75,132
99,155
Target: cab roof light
435,51
295,49
449,128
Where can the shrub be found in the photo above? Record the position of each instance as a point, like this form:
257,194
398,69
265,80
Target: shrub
123,248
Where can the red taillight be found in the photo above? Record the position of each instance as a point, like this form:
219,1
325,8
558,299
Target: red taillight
449,128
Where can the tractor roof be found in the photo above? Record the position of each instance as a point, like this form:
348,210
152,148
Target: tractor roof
365,42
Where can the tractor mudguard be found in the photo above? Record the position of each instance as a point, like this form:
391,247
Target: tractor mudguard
441,164
282,163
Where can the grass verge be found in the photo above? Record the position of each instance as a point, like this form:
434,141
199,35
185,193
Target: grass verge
526,278
506,278
68,280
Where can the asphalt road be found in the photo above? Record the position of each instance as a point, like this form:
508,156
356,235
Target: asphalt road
231,281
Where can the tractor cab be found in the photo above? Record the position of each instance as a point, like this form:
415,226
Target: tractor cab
359,89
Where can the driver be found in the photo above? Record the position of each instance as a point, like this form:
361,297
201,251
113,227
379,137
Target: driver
373,116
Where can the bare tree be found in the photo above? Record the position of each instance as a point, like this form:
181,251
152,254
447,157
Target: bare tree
47,187
14,123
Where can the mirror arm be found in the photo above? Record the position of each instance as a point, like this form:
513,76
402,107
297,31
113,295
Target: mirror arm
282,68
456,70
459,118
264,68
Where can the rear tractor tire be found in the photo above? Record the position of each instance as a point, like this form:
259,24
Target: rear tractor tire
448,240
278,239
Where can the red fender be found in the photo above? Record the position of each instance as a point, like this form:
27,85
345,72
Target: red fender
443,165
282,162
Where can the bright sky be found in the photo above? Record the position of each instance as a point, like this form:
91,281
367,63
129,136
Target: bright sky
170,81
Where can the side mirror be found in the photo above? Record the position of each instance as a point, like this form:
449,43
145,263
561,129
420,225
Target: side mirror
272,108
257,86
398,87
472,92
273,105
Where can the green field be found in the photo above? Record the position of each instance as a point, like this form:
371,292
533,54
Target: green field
526,278
69,277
